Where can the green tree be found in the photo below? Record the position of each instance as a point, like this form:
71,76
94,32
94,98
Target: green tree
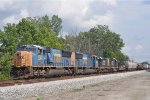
31,31
37,31
25,30
5,66
9,38
56,24
100,41
104,40
145,62
119,56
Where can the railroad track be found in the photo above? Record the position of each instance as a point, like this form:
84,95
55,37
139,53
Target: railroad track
46,79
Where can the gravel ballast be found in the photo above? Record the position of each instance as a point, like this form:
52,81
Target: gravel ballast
18,92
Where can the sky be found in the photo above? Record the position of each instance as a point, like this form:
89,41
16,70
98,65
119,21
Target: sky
129,18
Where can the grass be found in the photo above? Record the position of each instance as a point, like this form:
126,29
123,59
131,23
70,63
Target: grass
38,98
78,89
94,85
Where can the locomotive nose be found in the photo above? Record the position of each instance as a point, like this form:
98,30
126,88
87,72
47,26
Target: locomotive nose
22,59
16,59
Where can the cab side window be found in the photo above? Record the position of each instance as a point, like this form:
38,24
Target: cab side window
39,51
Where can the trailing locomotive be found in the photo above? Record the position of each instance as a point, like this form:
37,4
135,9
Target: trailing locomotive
30,60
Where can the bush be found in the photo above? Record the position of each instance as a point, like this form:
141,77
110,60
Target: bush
5,66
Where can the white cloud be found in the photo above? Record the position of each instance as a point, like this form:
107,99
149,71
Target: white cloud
133,49
10,19
6,3
50,6
139,47
84,11
24,13
16,17
76,11
73,8
98,19
110,2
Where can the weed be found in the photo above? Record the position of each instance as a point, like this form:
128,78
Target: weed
38,98
78,89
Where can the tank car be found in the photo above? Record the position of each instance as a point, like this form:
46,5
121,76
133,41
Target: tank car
130,65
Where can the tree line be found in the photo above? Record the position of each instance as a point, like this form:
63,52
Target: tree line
100,41
45,31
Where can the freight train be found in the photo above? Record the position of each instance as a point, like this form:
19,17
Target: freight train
34,60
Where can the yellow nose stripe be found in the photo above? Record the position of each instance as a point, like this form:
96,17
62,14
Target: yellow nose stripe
18,66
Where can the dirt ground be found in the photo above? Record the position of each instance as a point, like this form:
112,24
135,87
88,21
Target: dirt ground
130,88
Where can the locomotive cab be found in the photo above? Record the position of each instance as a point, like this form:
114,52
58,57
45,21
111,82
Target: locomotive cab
26,57
36,54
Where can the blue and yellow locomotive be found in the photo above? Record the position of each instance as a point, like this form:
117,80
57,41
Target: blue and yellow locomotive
33,60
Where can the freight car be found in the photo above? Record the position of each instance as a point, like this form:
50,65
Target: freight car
140,67
129,65
31,60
